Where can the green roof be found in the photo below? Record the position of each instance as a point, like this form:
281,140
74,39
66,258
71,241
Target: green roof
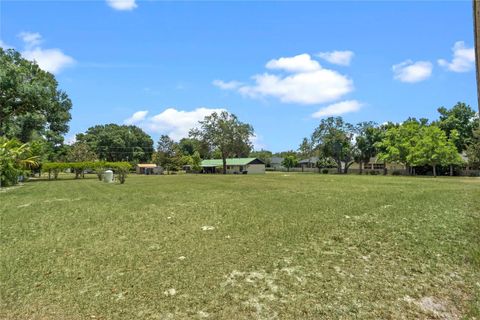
230,162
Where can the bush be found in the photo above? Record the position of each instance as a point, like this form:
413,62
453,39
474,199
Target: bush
121,169
474,174
396,173
325,171
374,172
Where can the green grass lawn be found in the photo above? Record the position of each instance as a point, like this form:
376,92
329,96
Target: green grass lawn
274,246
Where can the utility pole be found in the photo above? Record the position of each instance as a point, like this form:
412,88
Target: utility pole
476,34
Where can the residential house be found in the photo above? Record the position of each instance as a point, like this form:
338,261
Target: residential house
234,165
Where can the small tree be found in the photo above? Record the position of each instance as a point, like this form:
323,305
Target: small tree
289,162
196,161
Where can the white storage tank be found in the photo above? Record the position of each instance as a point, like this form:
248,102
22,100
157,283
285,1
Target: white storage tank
108,176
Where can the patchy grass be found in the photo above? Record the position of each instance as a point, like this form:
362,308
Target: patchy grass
296,246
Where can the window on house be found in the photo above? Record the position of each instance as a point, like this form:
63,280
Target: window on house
377,166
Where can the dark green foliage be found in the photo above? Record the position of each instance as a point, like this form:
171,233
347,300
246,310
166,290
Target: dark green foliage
461,118
334,138
31,103
114,143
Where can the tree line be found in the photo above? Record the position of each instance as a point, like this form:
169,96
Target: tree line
35,113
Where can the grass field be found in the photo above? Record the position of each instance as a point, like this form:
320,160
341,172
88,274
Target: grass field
275,246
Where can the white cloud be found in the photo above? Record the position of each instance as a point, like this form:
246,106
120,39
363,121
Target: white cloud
338,108
136,117
342,58
257,142
123,5
299,63
411,72
463,58
51,60
304,88
31,39
173,122
226,85
308,82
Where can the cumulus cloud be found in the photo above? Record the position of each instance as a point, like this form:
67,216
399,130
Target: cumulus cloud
299,63
342,58
173,122
136,117
51,60
31,39
229,85
338,108
463,58
411,72
122,5
306,82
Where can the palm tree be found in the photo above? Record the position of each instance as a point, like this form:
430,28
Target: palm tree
14,158
476,32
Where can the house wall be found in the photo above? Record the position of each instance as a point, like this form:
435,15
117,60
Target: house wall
256,168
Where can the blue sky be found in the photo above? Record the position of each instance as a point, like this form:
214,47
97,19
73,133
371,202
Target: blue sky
279,66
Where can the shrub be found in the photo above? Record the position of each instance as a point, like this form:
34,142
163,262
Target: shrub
119,168
324,171
374,172
396,173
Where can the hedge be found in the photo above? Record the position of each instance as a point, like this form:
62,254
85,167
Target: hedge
120,168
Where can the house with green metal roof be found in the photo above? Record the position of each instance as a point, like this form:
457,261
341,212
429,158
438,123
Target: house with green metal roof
234,165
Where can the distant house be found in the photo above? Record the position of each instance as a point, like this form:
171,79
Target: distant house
308,163
234,165
375,164
276,163
148,168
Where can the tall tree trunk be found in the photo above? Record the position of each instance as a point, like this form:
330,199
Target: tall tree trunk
385,170
360,163
451,170
434,166
224,160
476,32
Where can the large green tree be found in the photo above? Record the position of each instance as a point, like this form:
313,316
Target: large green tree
473,150
225,133
31,105
460,118
432,147
113,142
168,155
334,138
367,136
398,141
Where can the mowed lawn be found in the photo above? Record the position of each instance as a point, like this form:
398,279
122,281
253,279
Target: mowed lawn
274,246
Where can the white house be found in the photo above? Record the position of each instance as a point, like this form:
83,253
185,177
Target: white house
234,165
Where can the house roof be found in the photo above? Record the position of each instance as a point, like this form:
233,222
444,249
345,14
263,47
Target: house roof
309,160
146,165
276,160
230,162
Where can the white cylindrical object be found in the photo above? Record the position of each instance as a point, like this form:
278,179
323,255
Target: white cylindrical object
108,176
